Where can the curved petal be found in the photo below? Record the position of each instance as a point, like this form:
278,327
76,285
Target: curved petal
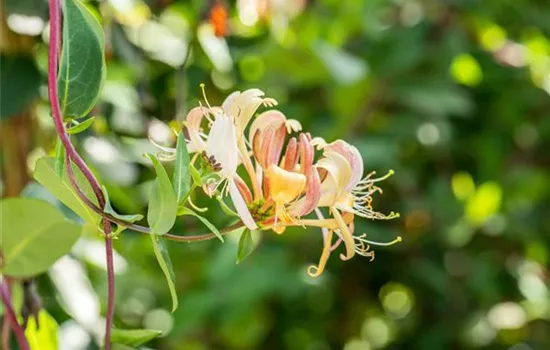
316,271
193,123
346,235
354,158
338,177
240,206
291,155
267,119
310,201
222,144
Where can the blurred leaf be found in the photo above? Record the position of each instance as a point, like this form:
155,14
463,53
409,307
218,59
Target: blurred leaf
45,174
30,248
182,177
163,258
19,83
82,64
246,246
80,127
109,210
162,203
45,336
133,337
343,67
211,227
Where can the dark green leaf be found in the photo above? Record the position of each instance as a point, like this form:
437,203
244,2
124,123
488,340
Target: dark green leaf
133,337
19,83
211,227
246,246
162,203
182,177
34,235
82,65
163,258
80,127
61,188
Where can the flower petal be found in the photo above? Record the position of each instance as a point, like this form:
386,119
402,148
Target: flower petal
222,144
354,158
240,206
291,155
193,124
316,271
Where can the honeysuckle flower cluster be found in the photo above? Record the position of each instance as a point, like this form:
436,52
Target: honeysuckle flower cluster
290,175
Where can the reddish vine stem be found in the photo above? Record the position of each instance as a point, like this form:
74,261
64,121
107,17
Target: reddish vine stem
53,58
12,318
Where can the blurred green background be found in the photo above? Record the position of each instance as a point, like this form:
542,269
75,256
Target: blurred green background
451,94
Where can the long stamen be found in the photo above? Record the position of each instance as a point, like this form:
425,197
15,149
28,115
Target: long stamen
381,244
204,96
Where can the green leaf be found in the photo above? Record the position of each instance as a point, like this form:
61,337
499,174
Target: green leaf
182,177
163,258
196,175
109,210
246,246
59,158
225,208
211,227
45,337
34,235
133,337
80,127
163,208
82,66
61,188
19,84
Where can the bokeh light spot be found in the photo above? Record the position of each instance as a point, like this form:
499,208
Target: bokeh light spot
428,134
252,68
377,331
463,185
397,299
492,37
484,203
507,315
160,320
466,70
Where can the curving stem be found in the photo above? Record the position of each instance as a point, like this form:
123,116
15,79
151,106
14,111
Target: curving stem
12,318
53,58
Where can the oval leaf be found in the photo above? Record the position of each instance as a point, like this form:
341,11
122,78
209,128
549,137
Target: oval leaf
162,212
61,188
82,64
80,127
163,258
182,176
34,235
133,337
246,246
